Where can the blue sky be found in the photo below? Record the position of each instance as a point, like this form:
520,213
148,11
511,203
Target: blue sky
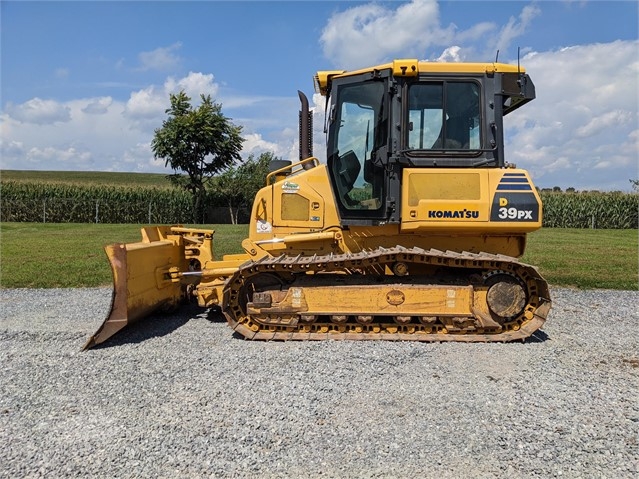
84,84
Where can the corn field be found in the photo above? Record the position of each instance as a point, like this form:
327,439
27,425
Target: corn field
22,201
71,203
591,210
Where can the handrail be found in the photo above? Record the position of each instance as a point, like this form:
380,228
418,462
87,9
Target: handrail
310,159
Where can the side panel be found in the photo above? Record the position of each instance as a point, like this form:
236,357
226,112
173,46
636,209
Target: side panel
480,201
299,203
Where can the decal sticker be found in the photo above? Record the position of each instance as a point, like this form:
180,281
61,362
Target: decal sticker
514,207
514,200
454,214
514,182
290,187
264,226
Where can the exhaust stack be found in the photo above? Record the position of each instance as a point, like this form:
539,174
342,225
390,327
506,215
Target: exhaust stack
306,131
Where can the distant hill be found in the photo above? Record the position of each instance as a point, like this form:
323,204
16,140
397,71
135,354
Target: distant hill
87,177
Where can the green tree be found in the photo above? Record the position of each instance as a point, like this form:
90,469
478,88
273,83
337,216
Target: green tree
635,185
200,142
239,185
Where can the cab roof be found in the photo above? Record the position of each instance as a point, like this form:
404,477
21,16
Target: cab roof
413,67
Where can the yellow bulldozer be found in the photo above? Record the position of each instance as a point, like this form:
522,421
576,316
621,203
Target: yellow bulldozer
410,230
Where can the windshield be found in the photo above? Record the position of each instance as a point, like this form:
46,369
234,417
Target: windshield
444,116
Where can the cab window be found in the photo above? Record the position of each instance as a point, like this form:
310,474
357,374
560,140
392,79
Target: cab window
444,116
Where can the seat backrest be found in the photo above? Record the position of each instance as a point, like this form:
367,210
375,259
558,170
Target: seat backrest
348,168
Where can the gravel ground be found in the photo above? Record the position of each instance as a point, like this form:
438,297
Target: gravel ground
185,398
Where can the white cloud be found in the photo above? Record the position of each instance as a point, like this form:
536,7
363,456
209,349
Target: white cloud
146,103
475,32
10,149
561,163
53,157
98,106
99,133
516,27
583,120
451,54
369,34
139,157
39,111
151,102
93,139
163,58
319,139
599,124
193,85
254,144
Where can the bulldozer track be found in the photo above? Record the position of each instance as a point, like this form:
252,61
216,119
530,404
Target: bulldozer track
370,269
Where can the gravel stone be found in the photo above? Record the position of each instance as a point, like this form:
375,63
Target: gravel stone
181,396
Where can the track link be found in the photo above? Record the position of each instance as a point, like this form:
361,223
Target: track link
284,297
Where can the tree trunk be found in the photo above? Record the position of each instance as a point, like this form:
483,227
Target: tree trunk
194,207
232,214
198,207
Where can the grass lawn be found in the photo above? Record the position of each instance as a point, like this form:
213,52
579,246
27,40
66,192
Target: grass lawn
586,258
36,255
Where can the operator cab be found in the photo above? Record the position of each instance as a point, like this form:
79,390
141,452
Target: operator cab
412,114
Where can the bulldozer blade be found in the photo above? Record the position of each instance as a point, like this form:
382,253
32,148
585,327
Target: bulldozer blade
141,284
